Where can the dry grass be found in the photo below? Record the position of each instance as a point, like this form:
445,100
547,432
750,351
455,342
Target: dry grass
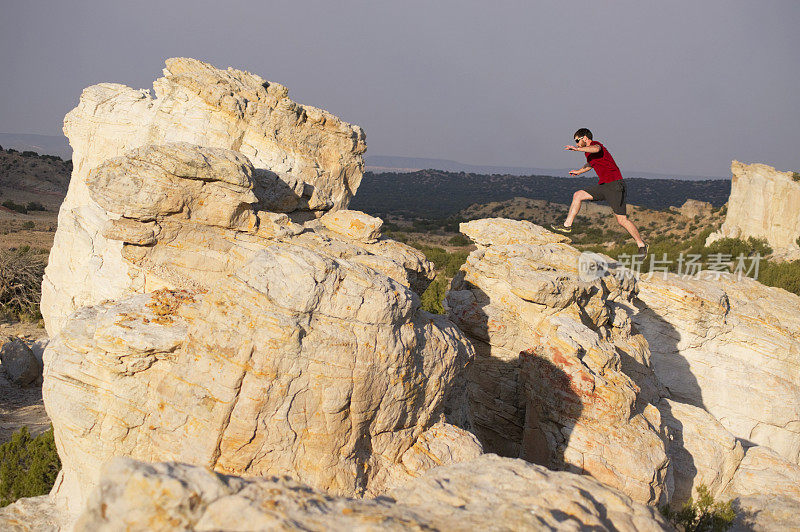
21,274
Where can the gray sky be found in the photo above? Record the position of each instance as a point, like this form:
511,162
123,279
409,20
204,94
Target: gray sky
674,87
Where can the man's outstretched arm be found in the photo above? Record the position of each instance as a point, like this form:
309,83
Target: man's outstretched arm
582,170
594,148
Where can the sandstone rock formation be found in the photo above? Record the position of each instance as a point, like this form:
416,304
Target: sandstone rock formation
212,301
701,451
764,203
489,493
547,383
308,162
571,363
252,349
31,514
766,491
730,346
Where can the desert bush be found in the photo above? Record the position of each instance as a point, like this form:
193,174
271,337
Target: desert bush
460,240
701,515
449,263
35,206
21,273
736,246
784,275
795,176
28,466
28,225
8,204
433,296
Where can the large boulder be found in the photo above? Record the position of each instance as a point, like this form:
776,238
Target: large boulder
731,346
764,203
489,493
248,350
19,362
701,451
307,162
765,492
548,383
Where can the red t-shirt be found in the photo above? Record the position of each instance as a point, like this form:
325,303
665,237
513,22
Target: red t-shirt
603,163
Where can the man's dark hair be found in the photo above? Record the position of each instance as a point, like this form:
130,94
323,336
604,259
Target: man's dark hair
583,132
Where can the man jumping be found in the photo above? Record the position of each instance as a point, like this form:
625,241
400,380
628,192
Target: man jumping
610,187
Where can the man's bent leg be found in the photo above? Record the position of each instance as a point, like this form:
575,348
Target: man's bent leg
628,225
577,198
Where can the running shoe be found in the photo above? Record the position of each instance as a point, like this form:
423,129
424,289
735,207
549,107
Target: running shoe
558,228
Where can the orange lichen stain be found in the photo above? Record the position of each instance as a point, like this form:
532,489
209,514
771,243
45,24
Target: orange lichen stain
357,224
347,511
124,317
165,303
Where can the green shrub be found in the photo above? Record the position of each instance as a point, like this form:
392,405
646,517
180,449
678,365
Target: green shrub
15,207
433,296
784,275
449,263
736,246
702,515
28,466
28,225
460,240
795,176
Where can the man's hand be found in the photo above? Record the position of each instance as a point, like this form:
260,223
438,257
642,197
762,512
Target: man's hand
571,148
575,172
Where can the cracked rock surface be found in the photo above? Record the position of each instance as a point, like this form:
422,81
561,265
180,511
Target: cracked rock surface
488,493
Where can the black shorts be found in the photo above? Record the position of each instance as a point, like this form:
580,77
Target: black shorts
613,192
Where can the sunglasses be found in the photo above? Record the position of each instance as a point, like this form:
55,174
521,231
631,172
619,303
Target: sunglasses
577,141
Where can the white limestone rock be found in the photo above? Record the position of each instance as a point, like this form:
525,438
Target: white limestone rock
31,514
730,346
701,451
764,203
305,162
297,364
489,493
547,383
352,224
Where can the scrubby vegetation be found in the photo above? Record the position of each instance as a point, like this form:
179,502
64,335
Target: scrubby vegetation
702,515
21,273
28,466
447,264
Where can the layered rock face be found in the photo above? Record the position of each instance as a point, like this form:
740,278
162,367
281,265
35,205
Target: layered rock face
489,493
732,347
254,347
764,203
547,383
308,162
653,385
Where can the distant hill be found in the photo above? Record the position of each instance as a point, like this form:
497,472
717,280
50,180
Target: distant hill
438,194
26,176
41,144
392,163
